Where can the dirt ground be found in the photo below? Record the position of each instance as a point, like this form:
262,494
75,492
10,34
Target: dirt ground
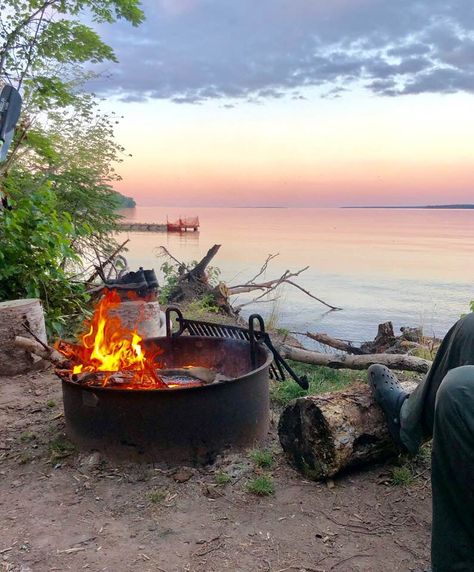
64,510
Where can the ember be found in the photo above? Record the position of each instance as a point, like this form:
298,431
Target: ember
113,356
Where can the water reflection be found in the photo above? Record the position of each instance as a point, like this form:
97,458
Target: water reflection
411,266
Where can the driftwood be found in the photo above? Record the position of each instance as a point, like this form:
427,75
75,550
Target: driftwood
193,284
323,435
341,361
14,316
335,343
271,285
99,270
41,350
385,341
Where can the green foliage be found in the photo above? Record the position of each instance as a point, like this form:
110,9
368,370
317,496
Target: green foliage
61,166
124,202
171,278
157,496
201,306
402,476
27,437
261,486
60,448
41,35
263,458
35,241
222,478
321,380
51,403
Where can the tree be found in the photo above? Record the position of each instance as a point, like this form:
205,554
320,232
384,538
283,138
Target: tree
37,32
60,169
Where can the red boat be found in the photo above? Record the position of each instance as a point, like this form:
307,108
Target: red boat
183,224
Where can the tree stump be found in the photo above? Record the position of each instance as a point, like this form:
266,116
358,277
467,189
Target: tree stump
144,317
323,435
13,314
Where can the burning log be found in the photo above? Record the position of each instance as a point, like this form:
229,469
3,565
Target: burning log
14,315
323,435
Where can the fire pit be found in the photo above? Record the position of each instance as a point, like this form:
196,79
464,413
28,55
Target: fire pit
179,424
164,414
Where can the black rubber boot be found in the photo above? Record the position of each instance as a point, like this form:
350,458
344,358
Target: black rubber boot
389,394
151,279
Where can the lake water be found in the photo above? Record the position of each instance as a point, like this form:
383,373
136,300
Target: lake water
413,267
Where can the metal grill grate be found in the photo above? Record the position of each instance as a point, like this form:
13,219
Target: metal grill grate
279,367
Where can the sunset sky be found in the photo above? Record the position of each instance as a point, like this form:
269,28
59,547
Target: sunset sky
295,102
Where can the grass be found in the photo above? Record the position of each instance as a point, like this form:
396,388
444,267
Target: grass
402,476
222,478
261,486
412,468
321,380
198,309
157,496
27,437
263,458
60,448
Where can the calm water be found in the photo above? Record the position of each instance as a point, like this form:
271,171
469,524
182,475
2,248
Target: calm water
413,267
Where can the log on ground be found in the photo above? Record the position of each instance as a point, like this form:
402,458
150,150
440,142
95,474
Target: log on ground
325,434
19,318
341,361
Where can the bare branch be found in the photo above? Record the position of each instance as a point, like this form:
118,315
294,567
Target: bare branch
166,252
264,267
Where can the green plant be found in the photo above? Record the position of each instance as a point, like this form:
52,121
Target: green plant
202,306
51,403
402,476
26,437
157,496
222,478
263,458
261,486
35,239
170,281
60,448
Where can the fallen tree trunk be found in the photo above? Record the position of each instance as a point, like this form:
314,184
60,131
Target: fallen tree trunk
335,343
323,435
341,361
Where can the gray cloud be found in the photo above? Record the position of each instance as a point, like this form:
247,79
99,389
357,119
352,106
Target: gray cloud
189,51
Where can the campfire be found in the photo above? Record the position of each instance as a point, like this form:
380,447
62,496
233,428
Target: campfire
182,398
112,355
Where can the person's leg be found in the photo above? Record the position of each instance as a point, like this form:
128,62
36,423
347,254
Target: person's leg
417,412
452,546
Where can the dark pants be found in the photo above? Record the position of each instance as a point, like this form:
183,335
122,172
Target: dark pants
442,407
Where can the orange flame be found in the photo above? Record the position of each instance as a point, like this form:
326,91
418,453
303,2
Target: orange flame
110,347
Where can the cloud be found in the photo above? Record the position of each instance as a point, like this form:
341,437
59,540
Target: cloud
189,51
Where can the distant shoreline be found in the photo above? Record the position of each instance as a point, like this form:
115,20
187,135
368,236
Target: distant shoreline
432,207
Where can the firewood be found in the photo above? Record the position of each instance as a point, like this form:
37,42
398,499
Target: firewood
46,352
341,361
14,316
323,435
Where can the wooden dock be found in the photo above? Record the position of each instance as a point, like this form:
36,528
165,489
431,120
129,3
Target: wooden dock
142,227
